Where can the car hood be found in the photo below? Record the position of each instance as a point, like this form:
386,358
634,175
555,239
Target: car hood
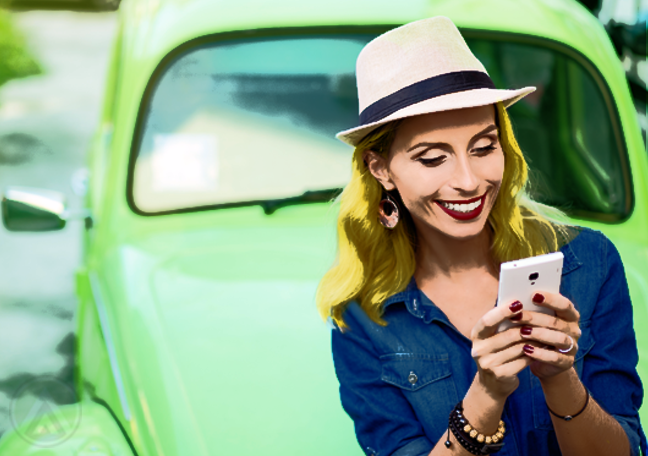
227,352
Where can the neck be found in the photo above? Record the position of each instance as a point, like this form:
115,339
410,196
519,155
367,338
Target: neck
440,255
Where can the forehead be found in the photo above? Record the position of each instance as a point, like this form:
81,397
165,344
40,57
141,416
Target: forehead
466,121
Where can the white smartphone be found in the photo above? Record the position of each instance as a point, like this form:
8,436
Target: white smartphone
521,279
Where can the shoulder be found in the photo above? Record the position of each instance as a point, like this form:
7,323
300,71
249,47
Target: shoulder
361,331
584,239
359,343
590,249
592,269
394,311
357,324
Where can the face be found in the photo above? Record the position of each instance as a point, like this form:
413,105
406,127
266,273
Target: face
447,167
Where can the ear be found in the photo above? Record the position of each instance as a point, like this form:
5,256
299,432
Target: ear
377,166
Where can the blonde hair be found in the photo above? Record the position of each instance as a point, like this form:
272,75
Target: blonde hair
374,263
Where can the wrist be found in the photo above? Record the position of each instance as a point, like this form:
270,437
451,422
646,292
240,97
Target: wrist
496,395
560,381
482,407
469,437
564,393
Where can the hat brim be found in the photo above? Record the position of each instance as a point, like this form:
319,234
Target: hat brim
457,100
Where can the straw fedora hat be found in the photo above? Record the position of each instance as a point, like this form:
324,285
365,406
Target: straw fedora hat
420,68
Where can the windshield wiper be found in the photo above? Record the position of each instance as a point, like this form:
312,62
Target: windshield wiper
310,196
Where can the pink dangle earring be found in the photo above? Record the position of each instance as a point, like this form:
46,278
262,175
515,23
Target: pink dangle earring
388,212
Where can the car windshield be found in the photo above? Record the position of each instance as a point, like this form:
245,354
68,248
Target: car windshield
234,122
248,121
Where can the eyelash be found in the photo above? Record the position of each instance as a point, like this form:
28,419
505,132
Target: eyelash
484,150
436,161
432,161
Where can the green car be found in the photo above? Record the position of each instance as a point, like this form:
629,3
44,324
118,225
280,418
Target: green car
209,219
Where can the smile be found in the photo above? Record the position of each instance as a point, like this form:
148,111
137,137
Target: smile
463,210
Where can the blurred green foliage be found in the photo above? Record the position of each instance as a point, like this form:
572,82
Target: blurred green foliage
15,60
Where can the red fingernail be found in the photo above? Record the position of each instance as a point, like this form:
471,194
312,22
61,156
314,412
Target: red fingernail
516,317
526,330
538,298
528,349
516,306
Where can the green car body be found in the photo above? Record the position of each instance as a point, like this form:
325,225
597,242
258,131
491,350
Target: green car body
197,332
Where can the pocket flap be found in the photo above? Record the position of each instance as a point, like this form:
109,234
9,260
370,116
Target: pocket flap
412,371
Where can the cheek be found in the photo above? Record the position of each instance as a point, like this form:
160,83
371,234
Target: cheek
414,188
415,182
492,168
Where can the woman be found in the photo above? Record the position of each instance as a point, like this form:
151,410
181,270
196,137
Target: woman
435,204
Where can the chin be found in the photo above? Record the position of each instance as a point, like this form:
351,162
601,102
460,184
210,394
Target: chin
467,231
456,229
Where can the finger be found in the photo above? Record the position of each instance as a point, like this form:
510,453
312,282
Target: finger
511,369
545,355
490,321
537,319
496,342
492,361
563,307
550,337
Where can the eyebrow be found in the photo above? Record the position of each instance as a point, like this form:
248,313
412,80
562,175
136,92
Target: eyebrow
445,146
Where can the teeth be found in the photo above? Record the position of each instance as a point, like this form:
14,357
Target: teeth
463,207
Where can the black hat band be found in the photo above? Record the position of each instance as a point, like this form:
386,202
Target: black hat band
435,86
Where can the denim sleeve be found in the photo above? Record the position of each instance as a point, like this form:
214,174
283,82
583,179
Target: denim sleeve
385,424
609,370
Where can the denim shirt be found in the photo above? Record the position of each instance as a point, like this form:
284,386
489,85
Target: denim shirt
398,383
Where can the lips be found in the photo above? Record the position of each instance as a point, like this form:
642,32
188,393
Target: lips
464,201
458,215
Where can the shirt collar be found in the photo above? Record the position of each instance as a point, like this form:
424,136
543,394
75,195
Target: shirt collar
421,307
417,304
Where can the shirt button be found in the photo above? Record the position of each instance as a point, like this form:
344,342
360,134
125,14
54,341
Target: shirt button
415,305
412,378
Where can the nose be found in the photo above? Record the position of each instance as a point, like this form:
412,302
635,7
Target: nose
464,178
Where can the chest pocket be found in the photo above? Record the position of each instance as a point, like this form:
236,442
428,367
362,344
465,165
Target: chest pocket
427,383
541,414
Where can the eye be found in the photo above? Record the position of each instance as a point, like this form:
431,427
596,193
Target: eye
432,162
485,150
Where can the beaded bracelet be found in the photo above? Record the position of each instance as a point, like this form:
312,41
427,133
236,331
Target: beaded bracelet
470,438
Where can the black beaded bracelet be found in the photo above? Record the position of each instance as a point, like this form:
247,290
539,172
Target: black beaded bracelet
571,417
469,438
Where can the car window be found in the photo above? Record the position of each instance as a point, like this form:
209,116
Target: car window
567,130
242,121
248,120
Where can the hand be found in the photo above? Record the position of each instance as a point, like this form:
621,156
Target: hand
499,356
546,333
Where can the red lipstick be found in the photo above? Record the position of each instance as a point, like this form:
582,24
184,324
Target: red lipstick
464,215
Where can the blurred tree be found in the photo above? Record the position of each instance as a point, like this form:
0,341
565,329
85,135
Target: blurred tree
15,61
